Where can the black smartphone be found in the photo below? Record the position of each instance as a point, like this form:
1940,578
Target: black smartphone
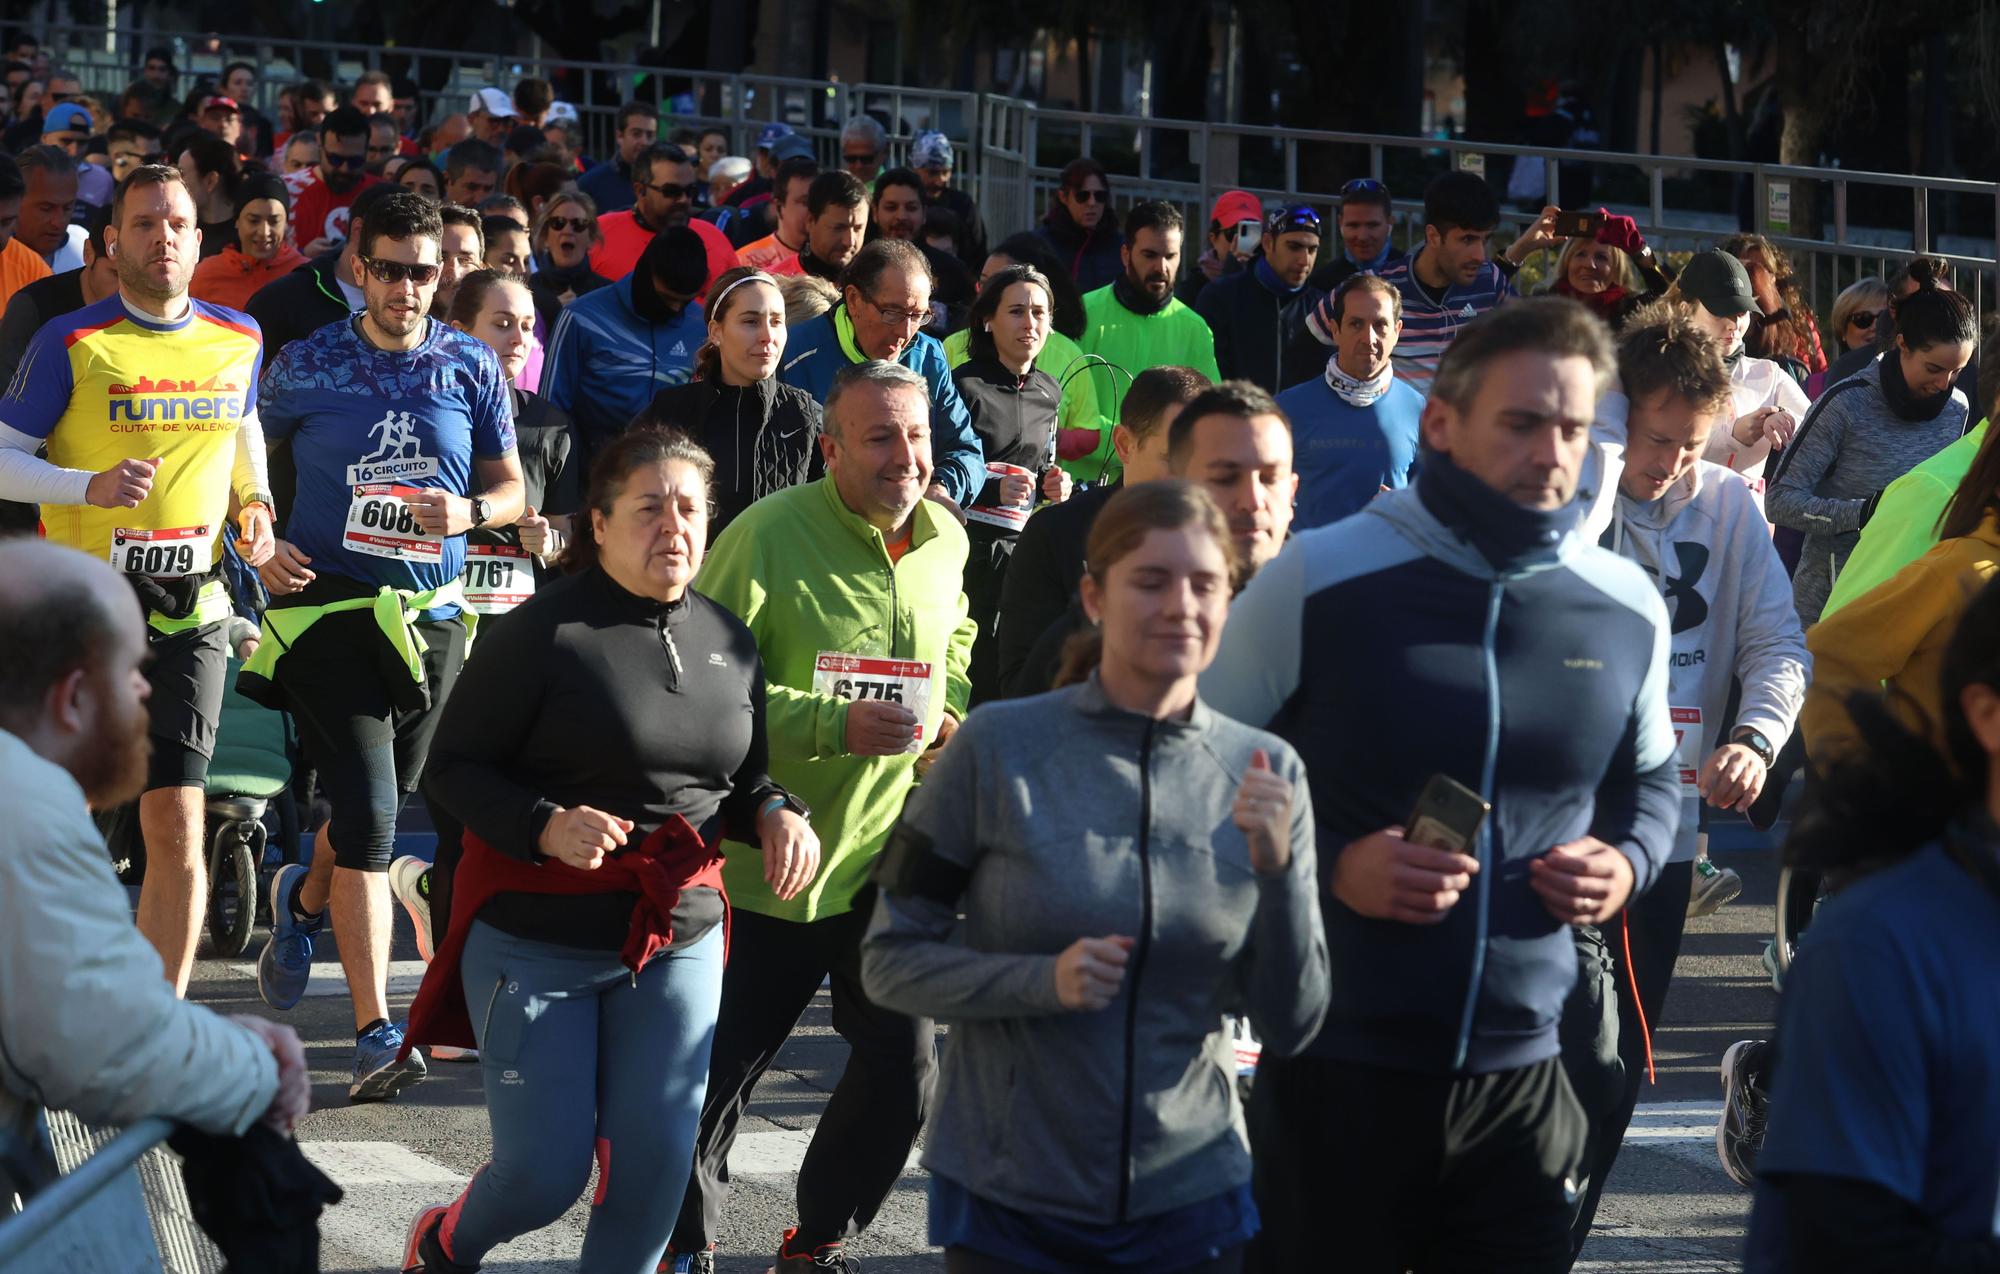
1447,816
1579,225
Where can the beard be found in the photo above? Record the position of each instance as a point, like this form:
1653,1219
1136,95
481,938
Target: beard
133,276
111,766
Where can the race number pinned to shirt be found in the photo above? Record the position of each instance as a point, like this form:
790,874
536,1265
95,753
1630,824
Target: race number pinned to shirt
857,677
381,523
1687,747
170,551
497,578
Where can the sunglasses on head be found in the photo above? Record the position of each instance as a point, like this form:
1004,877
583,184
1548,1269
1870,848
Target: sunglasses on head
569,223
671,191
344,161
1864,319
397,271
1091,196
1294,217
1363,186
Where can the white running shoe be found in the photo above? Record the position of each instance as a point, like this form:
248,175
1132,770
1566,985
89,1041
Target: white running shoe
410,881
1714,888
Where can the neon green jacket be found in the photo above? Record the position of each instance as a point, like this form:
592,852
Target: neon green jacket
1905,522
1079,410
807,575
1176,336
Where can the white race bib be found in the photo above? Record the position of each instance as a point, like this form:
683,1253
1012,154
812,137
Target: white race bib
855,677
1006,516
1687,747
170,551
497,578
381,523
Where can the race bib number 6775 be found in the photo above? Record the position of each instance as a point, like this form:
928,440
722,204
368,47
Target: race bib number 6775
872,677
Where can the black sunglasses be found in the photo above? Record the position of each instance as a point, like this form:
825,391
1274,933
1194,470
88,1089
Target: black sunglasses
670,190
1091,196
569,223
344,161
397,271
1864,319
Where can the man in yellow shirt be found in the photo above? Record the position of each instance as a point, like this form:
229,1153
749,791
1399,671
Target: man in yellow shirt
146,402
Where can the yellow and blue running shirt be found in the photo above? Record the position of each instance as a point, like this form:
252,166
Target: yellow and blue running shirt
104,384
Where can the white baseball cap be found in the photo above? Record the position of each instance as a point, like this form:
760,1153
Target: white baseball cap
494,103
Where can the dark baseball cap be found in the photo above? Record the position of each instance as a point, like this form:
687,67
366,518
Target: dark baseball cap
1719,282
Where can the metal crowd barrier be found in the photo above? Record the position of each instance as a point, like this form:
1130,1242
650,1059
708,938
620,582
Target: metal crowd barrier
119,1207
1011,150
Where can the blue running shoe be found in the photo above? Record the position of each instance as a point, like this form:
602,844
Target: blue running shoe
378,1076
285,966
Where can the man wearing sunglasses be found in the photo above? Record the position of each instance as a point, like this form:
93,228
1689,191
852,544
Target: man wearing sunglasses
1258,314
320,212
664,182
403,435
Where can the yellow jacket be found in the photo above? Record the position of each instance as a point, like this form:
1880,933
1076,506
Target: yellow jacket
1895,635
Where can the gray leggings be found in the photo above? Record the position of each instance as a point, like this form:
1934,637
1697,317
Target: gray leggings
583,1062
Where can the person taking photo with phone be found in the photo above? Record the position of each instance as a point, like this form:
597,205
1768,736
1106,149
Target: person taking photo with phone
1543,690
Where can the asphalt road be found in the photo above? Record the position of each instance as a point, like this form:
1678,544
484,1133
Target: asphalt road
1668,1205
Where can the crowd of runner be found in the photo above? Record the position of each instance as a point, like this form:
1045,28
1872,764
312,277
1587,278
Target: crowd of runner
1116,643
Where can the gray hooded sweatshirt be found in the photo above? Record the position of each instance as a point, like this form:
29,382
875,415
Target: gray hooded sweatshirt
1062,817
1729,609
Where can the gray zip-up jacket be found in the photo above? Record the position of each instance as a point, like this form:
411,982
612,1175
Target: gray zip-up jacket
1062,817
1850,446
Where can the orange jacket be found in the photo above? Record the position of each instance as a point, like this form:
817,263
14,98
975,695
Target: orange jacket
230,278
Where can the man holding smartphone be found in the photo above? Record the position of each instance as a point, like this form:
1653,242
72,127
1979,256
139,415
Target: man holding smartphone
1460,627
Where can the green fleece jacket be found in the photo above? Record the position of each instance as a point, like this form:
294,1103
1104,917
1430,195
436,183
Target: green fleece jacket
1176,336
809,576
1905,523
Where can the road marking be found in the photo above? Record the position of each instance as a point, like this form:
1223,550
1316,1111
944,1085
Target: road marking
1674,1121
328,978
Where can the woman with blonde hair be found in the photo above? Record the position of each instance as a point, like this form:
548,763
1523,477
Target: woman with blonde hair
1612,272
565,232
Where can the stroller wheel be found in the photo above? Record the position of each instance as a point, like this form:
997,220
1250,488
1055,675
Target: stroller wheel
232,889
1799,895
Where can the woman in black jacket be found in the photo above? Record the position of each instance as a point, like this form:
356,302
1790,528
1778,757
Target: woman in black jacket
764,435
565,232
1014,410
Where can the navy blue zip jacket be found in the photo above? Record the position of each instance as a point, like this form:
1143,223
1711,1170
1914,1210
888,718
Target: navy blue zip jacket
1447,630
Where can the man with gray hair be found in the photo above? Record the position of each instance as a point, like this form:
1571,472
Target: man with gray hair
885,302
864,143
853,588
88,1022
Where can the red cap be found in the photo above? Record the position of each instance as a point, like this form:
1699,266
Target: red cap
1235,206
225,103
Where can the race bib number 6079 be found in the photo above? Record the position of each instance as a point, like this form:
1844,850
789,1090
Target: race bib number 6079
180,550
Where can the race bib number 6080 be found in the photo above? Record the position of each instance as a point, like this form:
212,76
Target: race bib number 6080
381,523
871,677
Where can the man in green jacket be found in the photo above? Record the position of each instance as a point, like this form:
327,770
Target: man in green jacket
853,587
1136,323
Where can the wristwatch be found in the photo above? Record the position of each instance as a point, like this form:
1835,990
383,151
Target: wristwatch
480,510
1756,743
785,800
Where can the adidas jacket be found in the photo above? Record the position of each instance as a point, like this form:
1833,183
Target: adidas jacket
607,360
1411,640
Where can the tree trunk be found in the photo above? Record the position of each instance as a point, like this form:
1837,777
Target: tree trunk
1732,115
1659,90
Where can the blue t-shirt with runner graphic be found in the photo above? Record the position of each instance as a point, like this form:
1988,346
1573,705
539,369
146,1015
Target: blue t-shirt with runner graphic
363,421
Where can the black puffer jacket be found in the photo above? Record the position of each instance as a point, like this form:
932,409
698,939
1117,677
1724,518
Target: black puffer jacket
1257,330
764,437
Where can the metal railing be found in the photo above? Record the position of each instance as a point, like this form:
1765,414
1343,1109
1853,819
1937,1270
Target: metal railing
1013,150
119,1208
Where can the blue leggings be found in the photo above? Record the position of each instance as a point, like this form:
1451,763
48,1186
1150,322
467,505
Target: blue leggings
580,1060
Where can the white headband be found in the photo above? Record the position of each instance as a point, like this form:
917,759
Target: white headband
755,276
